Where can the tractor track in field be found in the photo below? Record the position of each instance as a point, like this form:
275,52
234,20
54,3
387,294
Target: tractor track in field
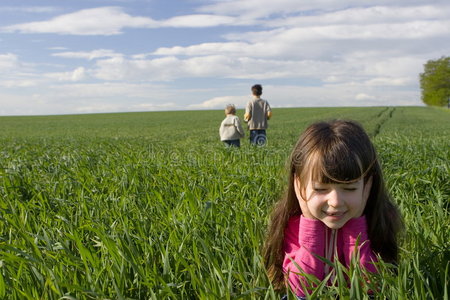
383,117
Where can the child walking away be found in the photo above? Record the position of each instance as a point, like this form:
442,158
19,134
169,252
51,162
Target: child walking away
336,207
231,130
257,113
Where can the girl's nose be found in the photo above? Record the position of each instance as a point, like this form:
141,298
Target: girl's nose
334,198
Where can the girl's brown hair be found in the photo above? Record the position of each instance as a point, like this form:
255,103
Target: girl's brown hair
335,151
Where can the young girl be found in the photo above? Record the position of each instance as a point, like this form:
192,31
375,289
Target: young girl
336,206
231,130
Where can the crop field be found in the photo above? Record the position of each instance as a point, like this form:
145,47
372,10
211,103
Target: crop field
153,206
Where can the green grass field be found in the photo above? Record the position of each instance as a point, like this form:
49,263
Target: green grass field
152,206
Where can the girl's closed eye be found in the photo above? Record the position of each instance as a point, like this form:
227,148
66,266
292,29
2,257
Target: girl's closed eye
350,188
320,188
345,187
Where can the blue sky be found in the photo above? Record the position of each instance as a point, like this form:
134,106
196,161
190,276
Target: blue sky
79,56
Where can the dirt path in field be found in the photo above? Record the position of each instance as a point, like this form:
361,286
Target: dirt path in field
383,117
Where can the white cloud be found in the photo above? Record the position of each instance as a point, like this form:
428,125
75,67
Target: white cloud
211,66
371,68
98,107
155,106
8,61
109,89
364,97
347,32
169,68
29,9
380,64
392,81
64,98
120,68
408,30
112,21
198,21
21,83
100,53
94,21
322,42
252,8
12,104
206,49
76,75
221,102
342,94
113,97
15,73
365,15
57,48
267,8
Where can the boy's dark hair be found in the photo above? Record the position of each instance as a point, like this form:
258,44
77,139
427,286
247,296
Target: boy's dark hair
257,90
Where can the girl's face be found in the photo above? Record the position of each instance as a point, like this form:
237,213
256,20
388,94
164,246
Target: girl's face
334,203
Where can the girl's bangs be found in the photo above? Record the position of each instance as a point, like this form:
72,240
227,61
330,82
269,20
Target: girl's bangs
335,168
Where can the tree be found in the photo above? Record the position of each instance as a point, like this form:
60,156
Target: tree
435,82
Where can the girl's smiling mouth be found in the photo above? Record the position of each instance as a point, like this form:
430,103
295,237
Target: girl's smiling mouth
335,214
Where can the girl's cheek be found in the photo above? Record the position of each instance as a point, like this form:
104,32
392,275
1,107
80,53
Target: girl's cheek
314,205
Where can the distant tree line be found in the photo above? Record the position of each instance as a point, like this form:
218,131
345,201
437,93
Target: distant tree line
435,82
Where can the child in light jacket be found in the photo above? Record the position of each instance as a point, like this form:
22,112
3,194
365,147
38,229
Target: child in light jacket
231,130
